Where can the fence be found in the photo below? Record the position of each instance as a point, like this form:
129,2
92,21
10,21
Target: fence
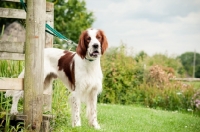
187,79
32,52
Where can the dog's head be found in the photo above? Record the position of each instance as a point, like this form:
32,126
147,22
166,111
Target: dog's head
92,44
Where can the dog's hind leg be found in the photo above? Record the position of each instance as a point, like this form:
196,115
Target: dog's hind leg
47,93
15,100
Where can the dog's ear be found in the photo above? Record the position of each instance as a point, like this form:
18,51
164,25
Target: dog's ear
82,45
104,42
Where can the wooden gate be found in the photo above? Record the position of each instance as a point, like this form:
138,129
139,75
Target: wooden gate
32,52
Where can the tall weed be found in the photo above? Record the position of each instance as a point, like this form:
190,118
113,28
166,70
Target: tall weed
10,68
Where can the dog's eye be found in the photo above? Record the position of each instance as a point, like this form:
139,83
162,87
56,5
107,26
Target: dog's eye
88,38
98,37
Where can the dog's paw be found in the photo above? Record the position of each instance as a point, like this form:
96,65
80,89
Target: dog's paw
96,126
76,124
13,112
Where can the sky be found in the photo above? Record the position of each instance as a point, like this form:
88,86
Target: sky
169,27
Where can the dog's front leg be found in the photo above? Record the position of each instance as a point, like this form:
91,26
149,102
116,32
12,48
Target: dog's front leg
92,110
75,108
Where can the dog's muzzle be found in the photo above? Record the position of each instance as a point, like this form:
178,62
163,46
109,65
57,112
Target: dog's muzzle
95,52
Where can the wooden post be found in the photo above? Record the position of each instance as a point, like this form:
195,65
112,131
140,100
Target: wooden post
33,81
194,63
49,43
49,37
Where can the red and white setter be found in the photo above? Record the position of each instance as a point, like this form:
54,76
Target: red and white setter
80,71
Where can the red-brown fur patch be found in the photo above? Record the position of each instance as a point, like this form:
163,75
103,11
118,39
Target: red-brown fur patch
66,63
103,40
82,44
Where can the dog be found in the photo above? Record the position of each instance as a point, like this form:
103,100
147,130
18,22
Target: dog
80,71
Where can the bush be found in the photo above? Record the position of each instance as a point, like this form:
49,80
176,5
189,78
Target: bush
121,75
144,80
195,102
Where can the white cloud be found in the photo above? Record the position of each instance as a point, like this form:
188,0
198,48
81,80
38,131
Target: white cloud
150,25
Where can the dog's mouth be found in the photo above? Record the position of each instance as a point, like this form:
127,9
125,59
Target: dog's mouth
94,54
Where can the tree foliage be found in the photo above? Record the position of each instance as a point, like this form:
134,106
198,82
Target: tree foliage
72,17
187,59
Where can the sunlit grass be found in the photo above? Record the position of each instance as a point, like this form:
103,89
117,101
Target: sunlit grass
122,118
10,68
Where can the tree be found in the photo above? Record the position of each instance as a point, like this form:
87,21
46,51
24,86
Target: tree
187,60
140,56
70,18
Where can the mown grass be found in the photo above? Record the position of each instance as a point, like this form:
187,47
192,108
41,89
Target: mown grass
121,118
195,84
131,118
118,118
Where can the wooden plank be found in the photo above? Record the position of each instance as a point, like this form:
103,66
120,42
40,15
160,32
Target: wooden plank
20,116
11,56
49,7
48,117
49,37
187,79
12,0
13,47
47,99
11,83
49,16
12,13
19,14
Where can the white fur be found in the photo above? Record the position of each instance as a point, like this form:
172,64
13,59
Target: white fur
88,81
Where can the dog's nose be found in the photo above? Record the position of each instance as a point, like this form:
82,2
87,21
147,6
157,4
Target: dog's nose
95,46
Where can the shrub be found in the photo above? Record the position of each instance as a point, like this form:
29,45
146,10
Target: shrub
165,61
195,102
144,80
121,75
159,76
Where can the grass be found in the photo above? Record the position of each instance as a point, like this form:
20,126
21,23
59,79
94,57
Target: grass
138,119
121,118
195,84
118,118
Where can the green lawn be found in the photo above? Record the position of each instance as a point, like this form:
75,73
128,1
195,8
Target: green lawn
118,118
